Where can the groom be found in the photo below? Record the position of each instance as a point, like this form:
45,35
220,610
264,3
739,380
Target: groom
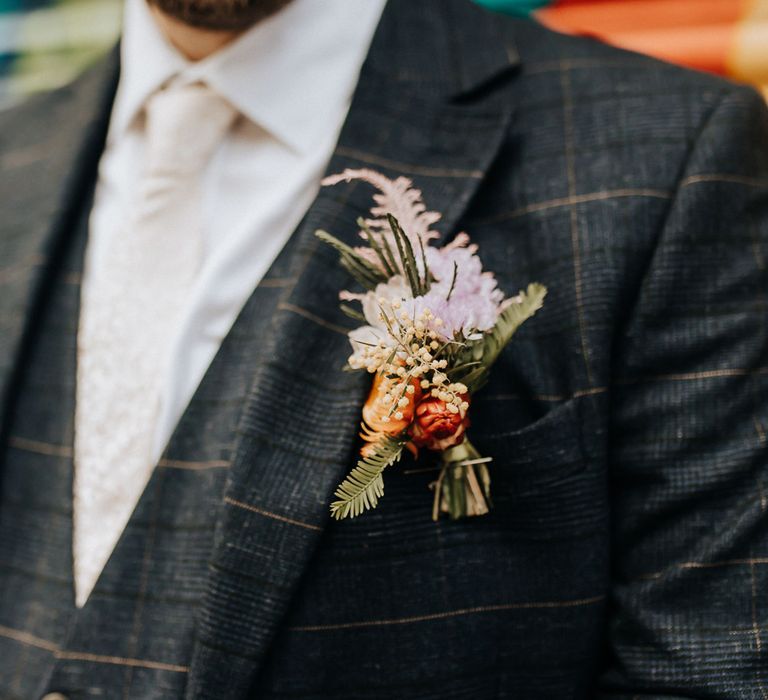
174,417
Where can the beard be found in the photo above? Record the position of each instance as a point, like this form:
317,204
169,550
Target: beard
224,15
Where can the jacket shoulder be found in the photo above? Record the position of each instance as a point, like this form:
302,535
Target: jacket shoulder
544,52
617,100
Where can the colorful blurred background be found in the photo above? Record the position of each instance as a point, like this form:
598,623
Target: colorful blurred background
44,43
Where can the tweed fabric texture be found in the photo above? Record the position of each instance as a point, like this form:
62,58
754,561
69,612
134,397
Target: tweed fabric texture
36,582
141,607
626,555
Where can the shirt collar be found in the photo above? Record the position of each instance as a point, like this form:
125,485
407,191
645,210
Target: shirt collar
290,74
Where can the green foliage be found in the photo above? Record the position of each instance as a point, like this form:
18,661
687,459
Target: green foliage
408,264
352,313
475,360
381,248
364,485
367,274
453,280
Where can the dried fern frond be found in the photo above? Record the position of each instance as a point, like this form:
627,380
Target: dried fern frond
364,485
397,198
482,353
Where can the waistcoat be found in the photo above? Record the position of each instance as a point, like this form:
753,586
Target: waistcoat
133,638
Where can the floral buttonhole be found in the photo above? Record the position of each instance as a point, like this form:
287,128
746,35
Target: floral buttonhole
433,324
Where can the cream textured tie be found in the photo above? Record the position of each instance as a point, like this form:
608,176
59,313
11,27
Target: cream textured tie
131,306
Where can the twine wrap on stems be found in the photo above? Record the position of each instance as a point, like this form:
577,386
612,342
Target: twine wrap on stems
463,488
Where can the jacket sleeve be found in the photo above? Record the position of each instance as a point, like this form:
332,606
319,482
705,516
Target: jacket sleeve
688,436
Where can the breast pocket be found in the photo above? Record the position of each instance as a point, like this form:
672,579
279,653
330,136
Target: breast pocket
544,483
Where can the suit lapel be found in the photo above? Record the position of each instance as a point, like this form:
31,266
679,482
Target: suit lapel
416,112
44,177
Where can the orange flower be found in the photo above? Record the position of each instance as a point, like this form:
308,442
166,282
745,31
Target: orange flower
436,427
379,416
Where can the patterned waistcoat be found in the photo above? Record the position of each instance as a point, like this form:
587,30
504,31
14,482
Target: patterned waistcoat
143,606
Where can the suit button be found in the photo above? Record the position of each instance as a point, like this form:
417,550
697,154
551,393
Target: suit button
54,696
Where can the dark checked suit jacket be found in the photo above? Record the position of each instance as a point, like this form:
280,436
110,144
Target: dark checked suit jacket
627,554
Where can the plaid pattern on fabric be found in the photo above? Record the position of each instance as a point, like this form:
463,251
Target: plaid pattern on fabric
727,37
158,572
140,608
626,555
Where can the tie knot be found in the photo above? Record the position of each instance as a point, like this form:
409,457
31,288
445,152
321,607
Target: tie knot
184,125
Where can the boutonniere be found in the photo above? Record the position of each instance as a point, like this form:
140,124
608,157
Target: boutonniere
433,325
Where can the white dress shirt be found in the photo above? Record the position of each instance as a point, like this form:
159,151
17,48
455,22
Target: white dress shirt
291,77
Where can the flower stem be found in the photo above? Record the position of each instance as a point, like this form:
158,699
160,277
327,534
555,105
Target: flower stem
463,488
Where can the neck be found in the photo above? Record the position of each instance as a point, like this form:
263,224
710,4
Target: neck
194,43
